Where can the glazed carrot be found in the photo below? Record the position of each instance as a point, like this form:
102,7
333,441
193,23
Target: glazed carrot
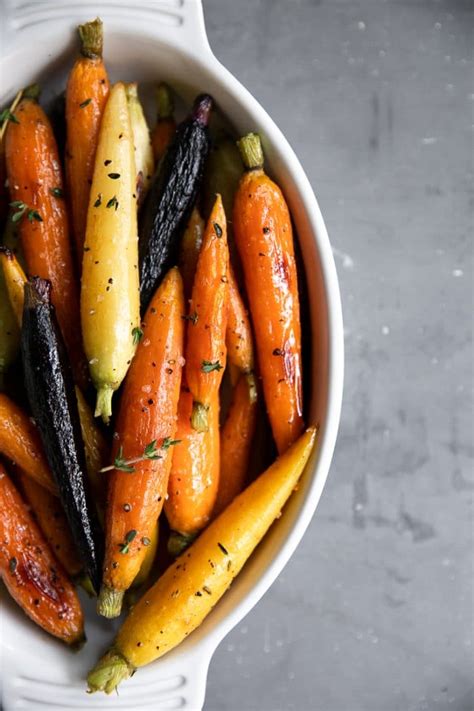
31,573
238,336
9,332
149,559
110,311
144,162
263,233
189,249
165,127
95,451
86,95
145,430
15,280
194,476
6,116
95,446
206,349
186,593
36,188
20,441
236,441
49,514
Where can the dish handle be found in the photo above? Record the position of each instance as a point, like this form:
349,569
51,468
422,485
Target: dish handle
179,682
178,22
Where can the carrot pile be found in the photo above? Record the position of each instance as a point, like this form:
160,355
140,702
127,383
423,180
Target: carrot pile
147,300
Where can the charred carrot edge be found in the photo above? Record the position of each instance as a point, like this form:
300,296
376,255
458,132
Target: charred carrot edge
86,95
264,237
236,442
20,441
238,337
15,280
165,127
51,519
37,193
145,435
31,573
206,349
189,249
194,476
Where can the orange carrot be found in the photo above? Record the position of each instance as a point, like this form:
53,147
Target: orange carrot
190,247
36,188
145,430
206,350
86,95
194,476
30,572
236,441
165,127
263,233
51,519
20,441
239,333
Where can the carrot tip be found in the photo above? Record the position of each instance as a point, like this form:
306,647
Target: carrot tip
110,601
109,671
199,417
178,542
86,584
78,644
103,407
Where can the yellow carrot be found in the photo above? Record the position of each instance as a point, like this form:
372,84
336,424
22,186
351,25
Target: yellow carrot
109,297
15,280
185,594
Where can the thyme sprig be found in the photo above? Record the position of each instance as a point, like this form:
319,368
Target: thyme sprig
22,209
151,452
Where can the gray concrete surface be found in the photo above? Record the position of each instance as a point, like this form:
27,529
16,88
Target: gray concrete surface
374,611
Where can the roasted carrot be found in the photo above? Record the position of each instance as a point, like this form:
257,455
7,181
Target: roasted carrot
36,188
263,233
110,311
6,116
206,349
189,250
150,555
9,332
15,280
86,95
95,451
236,441
145,431
49,514
20,441
238,336
186,593
165,127
223,172
194,476
144,162
30,572
95,447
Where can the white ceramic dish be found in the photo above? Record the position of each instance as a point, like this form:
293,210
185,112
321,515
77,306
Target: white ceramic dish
149,40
